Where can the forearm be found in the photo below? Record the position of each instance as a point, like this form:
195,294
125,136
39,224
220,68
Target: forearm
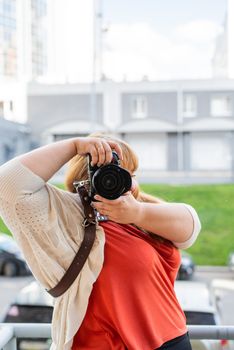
172,221
47,160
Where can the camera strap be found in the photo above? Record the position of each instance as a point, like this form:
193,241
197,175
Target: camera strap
78,262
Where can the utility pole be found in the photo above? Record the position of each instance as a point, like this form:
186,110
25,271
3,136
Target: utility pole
93,92
97,70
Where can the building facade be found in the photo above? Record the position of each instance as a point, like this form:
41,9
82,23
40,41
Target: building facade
223,59
8,39
23,39
181,130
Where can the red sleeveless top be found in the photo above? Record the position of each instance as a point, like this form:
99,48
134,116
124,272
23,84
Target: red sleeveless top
133,304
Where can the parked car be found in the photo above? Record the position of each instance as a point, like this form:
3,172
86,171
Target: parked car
187,267
12,262
199,307
32,305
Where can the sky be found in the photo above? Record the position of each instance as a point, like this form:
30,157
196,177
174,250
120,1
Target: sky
154,39
169,39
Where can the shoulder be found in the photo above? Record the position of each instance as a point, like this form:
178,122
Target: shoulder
63,198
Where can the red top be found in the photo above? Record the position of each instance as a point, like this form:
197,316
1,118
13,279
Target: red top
133,304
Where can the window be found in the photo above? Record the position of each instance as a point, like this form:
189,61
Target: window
190,105
221,106
139,107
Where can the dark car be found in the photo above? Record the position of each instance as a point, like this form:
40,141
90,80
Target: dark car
187,267
12,262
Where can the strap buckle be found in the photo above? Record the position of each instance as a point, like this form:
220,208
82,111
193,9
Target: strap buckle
86,222
78,184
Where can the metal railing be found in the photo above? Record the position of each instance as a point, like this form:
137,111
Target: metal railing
10,332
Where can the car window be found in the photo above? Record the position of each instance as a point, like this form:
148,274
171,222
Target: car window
29,314
199,318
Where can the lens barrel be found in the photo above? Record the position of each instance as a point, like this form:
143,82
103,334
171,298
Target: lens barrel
111,181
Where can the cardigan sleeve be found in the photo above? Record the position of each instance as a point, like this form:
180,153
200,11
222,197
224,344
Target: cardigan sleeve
17,180
39,217
196,229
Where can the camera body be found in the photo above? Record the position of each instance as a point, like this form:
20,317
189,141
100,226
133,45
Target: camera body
109,181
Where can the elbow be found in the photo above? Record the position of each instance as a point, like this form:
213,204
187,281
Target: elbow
190,230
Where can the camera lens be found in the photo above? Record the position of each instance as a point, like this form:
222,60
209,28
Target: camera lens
111,181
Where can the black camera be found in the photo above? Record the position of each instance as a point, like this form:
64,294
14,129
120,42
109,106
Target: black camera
109,181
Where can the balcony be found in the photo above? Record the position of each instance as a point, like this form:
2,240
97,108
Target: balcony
9,333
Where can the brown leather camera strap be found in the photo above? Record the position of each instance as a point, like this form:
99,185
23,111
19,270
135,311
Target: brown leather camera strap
84,250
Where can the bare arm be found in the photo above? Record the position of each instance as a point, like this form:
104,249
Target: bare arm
172,221
46,161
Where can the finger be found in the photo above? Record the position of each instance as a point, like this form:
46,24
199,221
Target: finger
99,205
94,155
101,153
107,201
104,211
108,152
117,148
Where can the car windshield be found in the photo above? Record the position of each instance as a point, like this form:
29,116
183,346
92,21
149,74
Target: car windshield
200,318
9,246
29,314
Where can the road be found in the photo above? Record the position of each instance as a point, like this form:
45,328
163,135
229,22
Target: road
9,287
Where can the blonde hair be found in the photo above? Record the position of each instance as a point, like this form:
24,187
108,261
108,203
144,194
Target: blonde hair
78,168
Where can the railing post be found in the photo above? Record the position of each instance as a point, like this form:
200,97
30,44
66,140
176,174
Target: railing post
11,345
7,339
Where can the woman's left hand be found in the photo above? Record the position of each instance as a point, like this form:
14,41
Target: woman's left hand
122,210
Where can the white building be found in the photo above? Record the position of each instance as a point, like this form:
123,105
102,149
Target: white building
223,60
23,53
70,40
23,39
181,130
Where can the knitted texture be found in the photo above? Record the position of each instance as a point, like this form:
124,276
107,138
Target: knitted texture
46,223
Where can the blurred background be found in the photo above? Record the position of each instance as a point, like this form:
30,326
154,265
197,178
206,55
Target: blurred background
158,74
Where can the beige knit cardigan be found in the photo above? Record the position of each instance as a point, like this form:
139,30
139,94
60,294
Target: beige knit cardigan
46,223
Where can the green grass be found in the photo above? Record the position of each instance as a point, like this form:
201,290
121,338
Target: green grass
215,206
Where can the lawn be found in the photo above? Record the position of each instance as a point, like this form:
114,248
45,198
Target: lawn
215,206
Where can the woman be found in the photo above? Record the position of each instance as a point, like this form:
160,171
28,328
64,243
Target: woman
123,297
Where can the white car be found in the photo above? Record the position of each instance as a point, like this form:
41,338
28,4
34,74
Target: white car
199,307
32,305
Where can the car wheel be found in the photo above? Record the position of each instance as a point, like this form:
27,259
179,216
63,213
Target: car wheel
10,269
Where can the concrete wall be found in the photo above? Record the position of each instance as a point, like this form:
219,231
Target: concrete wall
45,111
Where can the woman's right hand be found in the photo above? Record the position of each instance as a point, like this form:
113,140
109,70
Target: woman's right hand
100,149
47,160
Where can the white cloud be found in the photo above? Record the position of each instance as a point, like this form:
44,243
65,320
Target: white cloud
135,50
199,31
